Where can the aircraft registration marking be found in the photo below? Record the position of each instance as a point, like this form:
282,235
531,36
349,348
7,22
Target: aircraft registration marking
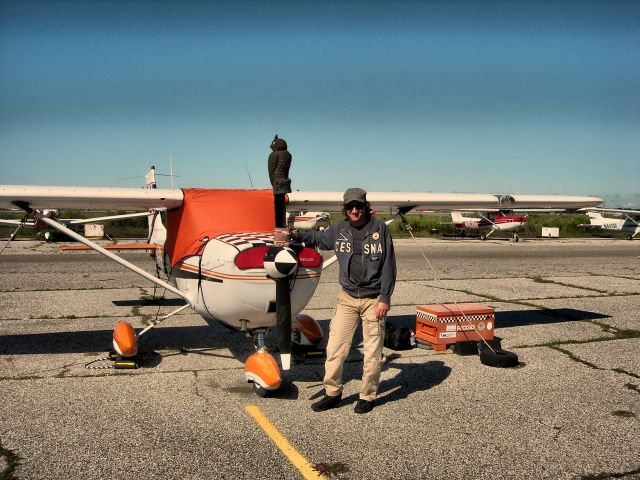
296,458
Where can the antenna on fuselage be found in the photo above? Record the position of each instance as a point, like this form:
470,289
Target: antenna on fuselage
248,174
171,169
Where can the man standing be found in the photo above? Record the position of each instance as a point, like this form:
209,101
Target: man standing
279,164
367,276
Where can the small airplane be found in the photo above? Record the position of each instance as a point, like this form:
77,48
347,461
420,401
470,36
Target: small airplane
222,254
617,219
490,222
71,223
309,220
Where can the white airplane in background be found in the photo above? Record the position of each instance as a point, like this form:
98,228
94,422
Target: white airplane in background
309,220
218,252
618,219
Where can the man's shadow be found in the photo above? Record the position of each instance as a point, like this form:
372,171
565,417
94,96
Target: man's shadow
409,378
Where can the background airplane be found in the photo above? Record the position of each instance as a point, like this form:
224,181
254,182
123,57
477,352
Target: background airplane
218,253
509,220
489,222
621,220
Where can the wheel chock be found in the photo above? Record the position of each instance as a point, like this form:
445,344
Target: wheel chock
125,363
120,362
319,353
308,351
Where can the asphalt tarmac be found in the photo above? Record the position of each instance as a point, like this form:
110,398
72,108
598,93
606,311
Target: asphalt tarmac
571,410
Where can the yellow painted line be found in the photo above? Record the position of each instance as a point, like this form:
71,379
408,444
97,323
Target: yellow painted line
298,461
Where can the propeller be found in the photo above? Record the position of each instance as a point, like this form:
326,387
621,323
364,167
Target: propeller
280,264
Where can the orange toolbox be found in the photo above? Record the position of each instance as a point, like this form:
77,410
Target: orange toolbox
441,325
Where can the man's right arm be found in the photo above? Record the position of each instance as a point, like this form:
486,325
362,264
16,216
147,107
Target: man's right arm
324,240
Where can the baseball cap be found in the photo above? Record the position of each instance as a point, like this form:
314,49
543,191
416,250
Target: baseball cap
355,195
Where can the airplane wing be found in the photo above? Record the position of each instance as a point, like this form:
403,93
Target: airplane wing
514,210
15,223
405,201
98,198
620,211
89,198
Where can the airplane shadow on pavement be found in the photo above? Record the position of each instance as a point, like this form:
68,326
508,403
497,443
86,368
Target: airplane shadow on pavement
201,340
520,318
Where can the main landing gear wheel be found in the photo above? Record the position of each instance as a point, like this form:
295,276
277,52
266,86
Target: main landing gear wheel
483,237
498,358
629,237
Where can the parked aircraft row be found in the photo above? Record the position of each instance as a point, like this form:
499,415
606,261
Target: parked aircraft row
512,221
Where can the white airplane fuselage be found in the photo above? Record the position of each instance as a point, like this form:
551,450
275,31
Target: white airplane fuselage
227,281
626,225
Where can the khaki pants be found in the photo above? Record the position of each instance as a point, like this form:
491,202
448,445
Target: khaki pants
349,312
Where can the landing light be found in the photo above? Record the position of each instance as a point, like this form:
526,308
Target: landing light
309,258
251,258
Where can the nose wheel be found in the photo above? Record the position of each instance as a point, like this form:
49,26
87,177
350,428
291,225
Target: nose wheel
261,368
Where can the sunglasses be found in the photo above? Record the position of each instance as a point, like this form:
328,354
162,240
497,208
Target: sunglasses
350,206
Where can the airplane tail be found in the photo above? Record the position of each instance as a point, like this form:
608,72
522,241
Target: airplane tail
157,231
595,218
457,217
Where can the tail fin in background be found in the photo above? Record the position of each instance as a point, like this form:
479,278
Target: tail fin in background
595,217
157,230
457,216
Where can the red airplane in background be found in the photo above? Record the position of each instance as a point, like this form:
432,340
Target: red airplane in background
490,222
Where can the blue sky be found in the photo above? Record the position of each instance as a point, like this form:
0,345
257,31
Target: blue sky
502,96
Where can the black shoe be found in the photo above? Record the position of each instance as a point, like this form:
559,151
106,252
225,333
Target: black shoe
326,403
363,406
